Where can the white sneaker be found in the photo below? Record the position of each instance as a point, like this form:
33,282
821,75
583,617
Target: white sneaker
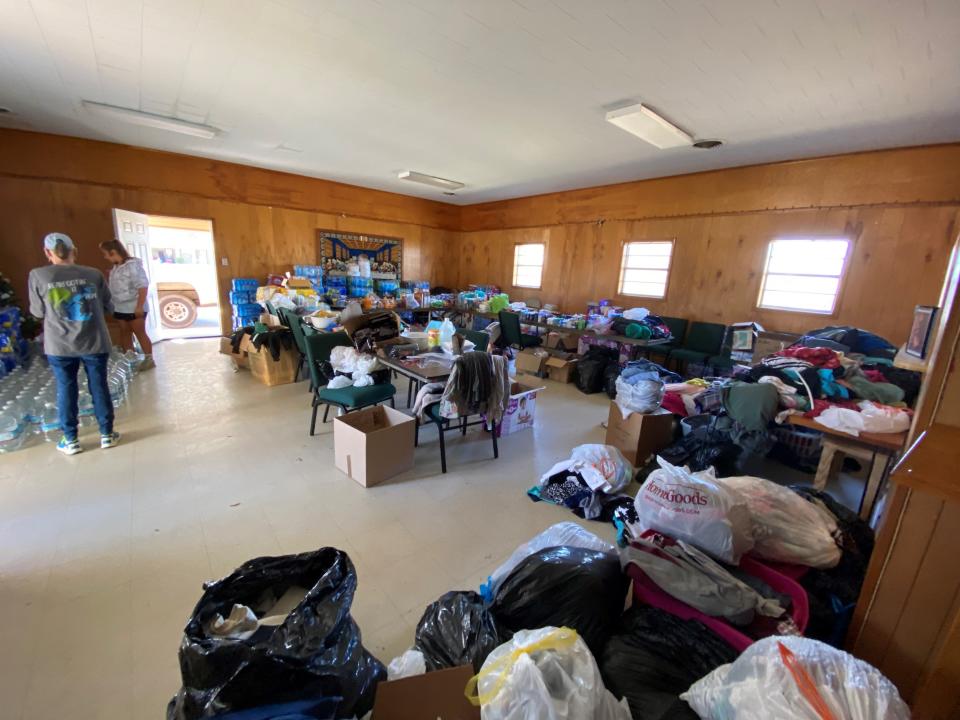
109,441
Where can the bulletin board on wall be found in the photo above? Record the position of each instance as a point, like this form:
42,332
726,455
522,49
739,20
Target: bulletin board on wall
337,249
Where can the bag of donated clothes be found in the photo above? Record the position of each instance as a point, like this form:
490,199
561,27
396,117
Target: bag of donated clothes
277,630
787,528
696,508
795,678
564,586
458,629
563,533
544,674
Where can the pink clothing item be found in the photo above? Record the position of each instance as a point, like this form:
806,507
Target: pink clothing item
673,402
818,357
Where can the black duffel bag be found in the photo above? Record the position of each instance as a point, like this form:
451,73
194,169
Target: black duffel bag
592,368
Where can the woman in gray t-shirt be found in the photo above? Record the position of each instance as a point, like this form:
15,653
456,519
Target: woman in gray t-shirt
73,300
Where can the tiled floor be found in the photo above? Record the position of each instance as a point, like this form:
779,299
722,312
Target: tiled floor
103,555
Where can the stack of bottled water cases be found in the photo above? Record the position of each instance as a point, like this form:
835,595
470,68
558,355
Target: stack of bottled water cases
28,398
243,298
313,273
13,348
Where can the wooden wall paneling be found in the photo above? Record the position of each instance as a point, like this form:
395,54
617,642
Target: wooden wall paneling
897,261
912,539
903,176
924,617
41,156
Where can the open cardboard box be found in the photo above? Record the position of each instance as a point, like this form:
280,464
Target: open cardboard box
522,409
639,435
531,362
373,444
438,695
239,358
561,369
267,370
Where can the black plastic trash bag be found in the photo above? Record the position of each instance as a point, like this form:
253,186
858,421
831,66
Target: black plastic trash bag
458,629
564,587
592,368
833,592
314,653
654,656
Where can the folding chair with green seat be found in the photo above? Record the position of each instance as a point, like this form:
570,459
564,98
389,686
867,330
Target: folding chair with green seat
702,342
678,328
510,333
479,338
319,347
293,321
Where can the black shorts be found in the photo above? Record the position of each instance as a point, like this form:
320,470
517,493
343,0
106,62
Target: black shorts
127,316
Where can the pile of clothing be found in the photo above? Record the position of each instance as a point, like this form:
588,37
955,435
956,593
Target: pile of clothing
479,384
588,482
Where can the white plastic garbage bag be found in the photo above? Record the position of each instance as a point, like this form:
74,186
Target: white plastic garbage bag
871,418
343,358
644,396
694,508
760,685
409,664
567,534
545,674
786,527
602,467
340,381
637,314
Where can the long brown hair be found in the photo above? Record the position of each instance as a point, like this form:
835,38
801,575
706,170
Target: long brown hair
115,246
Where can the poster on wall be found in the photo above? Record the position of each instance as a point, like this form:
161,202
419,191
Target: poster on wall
341,254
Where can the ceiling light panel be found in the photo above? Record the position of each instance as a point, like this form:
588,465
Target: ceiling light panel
649,127
160,122
430,180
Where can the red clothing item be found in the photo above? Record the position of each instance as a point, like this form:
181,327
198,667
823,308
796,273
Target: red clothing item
673,402
818,357
875,376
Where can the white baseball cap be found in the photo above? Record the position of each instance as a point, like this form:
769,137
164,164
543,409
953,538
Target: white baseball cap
51,240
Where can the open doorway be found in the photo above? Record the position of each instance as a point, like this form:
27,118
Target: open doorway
178,255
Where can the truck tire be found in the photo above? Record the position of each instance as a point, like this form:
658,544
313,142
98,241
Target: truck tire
177,311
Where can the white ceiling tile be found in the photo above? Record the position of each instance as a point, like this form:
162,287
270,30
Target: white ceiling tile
505,95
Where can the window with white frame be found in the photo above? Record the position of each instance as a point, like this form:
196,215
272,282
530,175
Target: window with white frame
645,268
803,274
528,265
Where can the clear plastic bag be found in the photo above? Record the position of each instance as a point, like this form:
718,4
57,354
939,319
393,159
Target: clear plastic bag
602,467
786,527
810,681
564,534
695,508
409,664
644,396
545,674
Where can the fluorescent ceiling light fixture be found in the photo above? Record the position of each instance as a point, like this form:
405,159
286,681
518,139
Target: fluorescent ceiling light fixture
160,122
647,125
429,180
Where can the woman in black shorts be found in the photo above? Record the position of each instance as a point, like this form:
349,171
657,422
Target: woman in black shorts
128,285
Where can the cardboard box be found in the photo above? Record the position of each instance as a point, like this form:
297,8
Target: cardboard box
270,320
531,362
267,370
561,369
522,409
373,444
767,343
239,358
562,341
640,435
436,695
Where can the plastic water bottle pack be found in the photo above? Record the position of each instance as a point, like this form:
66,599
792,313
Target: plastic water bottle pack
28,399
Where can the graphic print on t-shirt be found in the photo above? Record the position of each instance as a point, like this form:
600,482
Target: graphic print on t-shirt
72,299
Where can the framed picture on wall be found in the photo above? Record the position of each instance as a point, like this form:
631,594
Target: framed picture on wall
919,340
338,250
